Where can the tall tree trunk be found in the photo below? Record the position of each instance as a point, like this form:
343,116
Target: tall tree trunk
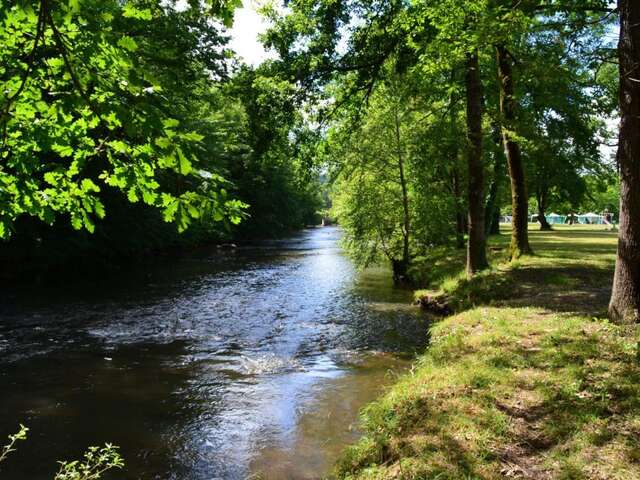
492,212
541,198
495,223
461,228
454,152
545,226
406,231
519,201
477,244
625,299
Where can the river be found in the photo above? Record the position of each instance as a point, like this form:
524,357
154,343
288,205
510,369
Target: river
251,363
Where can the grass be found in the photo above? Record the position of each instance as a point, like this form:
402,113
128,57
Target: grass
527,380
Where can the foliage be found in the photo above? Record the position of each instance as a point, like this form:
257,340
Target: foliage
97,460
135,97
16,437
133,120
348,52
84,109
383,163
279,178
562,120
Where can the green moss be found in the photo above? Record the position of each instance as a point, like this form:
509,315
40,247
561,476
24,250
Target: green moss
527,380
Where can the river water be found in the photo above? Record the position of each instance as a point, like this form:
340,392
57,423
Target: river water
250,363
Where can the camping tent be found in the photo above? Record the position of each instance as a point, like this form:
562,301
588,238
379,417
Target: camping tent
554,218
591,218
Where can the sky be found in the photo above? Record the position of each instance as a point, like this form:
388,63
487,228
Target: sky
247,25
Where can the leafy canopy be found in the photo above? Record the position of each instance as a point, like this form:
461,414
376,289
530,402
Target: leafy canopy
82,108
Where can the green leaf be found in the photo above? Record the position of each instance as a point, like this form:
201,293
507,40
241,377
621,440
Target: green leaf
89,186
128,43
62,150
51,178
163,142
74,5
170,123
132,196
119,146
192,137
88,223
76,222
184,165
99,209
131,11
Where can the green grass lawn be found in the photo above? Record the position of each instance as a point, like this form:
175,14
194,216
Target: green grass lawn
527,380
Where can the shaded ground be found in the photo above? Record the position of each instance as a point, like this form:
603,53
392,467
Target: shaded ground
528,381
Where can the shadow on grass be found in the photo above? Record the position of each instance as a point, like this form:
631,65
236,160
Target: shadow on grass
510,393
571,272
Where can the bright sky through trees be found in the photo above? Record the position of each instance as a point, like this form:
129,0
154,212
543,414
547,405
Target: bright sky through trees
247,25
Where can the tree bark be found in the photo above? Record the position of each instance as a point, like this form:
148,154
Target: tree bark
541,198
477,243
625,299
461,227
492,211
545,226
519,200
454,152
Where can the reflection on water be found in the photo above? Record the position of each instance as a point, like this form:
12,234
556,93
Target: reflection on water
326,422
254,362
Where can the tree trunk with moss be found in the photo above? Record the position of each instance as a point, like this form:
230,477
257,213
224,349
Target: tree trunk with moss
477,243
519,200
625,299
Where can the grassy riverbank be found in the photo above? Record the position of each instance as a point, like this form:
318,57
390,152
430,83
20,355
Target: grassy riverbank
528,380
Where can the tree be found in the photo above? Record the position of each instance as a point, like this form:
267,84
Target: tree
519,199
519,25
476,247
375,204
425,37
279,177
82,109
389,175
625,298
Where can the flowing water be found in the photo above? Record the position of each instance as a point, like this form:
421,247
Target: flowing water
217,365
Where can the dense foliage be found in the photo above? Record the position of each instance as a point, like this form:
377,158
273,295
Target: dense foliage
127,117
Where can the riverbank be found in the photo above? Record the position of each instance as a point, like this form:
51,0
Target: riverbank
527,380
